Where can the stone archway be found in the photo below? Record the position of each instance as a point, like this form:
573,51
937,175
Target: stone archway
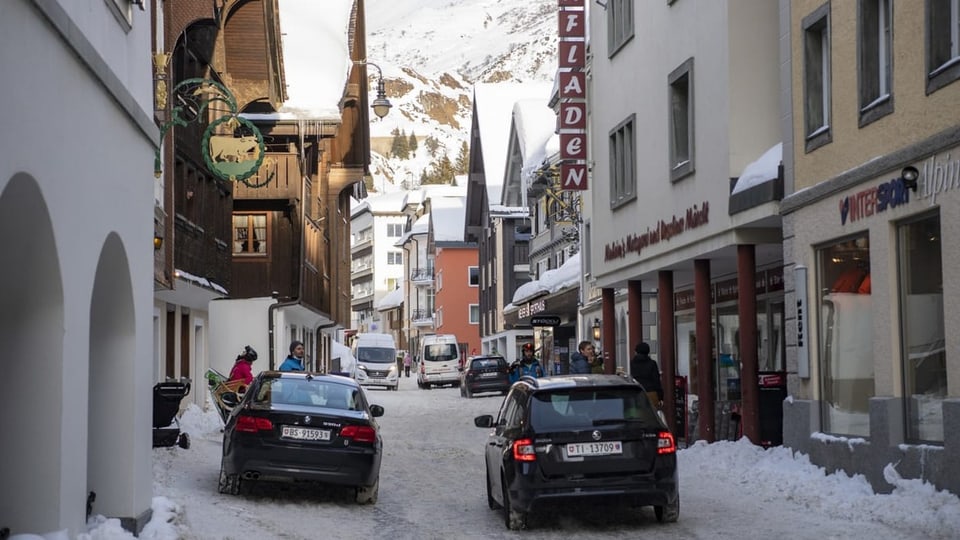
111,429
31,360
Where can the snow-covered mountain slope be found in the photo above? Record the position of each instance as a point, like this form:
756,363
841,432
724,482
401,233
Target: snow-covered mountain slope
431,53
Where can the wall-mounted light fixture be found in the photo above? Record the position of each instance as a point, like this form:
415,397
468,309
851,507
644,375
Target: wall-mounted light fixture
157,242
381,105
596,329
910,175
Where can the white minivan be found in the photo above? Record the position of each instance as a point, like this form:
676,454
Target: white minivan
439,361
376,356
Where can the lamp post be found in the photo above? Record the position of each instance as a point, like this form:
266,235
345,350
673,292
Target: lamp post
381,105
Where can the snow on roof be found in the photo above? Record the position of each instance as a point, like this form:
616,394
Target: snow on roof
388,202
502,211
316,59
493,106
393,299
762,170
551,281
535,124
187,276
447,216
421,226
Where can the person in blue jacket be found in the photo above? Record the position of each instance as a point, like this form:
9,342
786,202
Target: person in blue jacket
581,362
294,360
527,365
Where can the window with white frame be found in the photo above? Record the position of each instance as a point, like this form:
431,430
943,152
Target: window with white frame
394,257
623,152
473,276
681,122
943,43
394,230
474,313
392,283
875,42
816,78
123,11
619,24
439,317
439,278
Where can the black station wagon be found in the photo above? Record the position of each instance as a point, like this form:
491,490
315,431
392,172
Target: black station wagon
575,437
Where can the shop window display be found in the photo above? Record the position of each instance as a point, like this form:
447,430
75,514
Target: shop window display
921,305
846,331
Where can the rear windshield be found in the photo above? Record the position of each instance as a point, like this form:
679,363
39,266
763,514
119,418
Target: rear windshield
588,407
481,363
317,392
441,352
377,355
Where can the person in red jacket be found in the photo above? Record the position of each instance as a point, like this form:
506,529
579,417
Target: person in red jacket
243,367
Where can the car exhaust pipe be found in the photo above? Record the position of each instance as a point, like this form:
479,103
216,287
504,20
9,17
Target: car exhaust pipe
251,475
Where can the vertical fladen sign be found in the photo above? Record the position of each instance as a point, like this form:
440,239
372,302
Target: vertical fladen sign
573,95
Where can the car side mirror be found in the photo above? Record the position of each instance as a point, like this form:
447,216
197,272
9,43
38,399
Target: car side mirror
376,411
484,421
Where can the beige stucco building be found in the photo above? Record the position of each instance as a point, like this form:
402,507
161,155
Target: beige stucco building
870,235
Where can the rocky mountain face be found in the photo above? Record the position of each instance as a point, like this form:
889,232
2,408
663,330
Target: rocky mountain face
431,53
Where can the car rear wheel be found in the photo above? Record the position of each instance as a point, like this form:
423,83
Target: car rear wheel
229,483
368,494
513,519
669,513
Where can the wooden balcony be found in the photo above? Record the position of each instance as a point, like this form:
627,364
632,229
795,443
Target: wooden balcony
280,175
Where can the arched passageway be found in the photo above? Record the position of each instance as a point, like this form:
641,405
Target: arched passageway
111,429
31,341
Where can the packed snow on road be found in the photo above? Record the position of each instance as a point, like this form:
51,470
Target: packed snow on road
432,486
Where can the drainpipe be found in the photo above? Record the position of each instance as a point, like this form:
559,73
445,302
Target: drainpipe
271,326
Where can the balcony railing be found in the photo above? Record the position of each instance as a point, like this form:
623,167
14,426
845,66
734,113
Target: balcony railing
421,317
421,276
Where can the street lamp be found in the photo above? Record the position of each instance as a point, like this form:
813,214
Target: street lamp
596,329
381,105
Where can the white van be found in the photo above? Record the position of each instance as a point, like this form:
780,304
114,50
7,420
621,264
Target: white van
376,357
439,361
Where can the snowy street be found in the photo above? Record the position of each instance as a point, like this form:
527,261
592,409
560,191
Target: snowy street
432,487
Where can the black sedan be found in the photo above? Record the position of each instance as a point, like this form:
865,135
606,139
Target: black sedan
296,426
484,374
575,437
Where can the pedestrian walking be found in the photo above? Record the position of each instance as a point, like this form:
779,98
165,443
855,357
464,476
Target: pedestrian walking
407,361
646,372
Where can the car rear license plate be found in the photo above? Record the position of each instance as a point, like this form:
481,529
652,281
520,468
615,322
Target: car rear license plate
305,434
485,375
603,448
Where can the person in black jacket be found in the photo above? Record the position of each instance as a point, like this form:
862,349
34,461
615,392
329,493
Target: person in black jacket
646,372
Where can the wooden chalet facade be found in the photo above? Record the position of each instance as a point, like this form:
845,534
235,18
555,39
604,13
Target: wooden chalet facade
288,239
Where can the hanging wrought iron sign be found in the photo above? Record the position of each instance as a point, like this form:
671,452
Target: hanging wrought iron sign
232,147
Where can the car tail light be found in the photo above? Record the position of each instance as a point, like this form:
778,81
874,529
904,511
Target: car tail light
665,443
253,424
359,433
523,450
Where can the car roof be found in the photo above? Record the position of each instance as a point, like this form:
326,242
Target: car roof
339,379
487,356
579,381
